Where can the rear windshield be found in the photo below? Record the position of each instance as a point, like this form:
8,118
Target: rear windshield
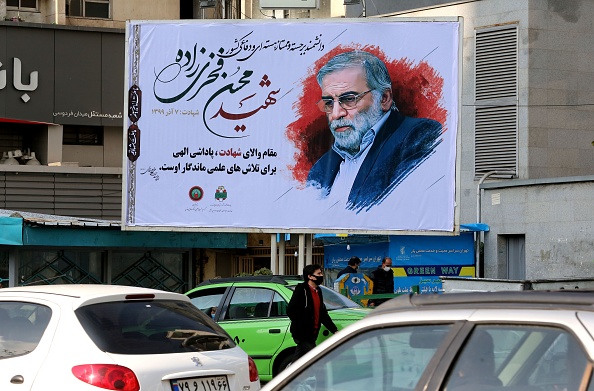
151,327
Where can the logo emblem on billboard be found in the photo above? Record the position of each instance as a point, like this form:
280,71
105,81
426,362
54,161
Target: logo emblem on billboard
196,193
221,193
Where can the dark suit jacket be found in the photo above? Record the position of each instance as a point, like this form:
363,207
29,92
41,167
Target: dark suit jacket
400,146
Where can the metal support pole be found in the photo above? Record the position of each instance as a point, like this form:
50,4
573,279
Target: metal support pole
273,257
301,254
282,246
308,249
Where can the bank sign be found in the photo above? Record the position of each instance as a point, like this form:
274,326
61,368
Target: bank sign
301,126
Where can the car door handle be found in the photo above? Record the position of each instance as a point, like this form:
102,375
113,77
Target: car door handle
274,331
17,379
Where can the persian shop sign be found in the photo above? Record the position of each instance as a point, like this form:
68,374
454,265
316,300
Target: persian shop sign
238,106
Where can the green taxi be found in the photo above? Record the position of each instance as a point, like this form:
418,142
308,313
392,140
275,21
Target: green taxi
253,310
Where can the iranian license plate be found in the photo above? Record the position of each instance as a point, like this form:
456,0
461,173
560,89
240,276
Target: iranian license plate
211,383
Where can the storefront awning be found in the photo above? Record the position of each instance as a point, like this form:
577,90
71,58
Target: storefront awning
33,229
475,227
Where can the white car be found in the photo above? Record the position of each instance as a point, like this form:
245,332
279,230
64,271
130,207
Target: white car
496,341
97,337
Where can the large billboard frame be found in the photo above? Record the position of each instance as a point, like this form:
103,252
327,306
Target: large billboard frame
129,188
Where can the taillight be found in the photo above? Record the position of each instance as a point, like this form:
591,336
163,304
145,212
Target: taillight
108,376
253,370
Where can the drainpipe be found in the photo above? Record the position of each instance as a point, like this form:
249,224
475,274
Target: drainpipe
477,235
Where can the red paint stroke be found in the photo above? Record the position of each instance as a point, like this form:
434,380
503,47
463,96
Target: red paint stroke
417,91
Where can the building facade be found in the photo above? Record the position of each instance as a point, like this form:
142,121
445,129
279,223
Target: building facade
527,114
61,103
527,158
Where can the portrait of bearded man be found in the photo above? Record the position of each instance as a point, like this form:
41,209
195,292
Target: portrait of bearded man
375,146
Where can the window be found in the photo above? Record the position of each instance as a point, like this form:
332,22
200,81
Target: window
279,306
207,299
21,327
518,358
249,303
82,135
496,100
151,327
334,300
382,359
89,8
22,4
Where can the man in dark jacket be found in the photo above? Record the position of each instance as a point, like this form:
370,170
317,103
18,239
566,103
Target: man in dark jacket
383,280
352,267
308,312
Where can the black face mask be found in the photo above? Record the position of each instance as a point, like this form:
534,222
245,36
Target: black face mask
318,280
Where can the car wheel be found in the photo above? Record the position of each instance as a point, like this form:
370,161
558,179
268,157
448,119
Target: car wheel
285,362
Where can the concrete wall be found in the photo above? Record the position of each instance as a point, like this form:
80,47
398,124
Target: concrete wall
560,89
478,14
555,216
555,93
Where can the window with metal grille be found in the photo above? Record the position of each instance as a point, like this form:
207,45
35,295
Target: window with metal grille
22,4
82,135
89,8
496,100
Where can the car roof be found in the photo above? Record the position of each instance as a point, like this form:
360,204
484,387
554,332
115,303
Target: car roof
83,294
273,279
562,299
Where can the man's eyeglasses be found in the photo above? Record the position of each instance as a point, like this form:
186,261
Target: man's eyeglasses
346,101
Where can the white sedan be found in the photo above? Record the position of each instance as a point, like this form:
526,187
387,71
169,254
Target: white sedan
97,337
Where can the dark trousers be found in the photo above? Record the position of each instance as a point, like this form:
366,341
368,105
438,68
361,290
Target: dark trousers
302,348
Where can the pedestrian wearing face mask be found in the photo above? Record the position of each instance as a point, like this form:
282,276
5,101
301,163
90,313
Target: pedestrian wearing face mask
383,280
308,312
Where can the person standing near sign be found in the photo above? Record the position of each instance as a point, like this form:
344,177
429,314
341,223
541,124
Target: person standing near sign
383,280
352,267
375,147
307,311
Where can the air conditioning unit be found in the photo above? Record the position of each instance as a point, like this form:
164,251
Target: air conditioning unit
352,2
207,3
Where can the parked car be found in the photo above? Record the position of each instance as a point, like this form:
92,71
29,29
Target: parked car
253,310
499,341
94,337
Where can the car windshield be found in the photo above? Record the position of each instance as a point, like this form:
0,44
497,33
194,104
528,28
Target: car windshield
151,327
334,300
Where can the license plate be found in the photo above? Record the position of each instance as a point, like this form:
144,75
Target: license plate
211,383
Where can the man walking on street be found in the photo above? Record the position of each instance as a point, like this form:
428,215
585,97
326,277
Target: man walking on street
308,312
383,280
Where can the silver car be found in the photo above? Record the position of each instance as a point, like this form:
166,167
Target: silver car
488,341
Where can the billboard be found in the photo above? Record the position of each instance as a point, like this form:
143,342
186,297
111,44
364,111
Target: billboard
301,126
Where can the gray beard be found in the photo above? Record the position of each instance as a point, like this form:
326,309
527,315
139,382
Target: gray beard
350,140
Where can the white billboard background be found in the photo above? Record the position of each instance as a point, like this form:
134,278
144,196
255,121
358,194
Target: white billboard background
217,99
